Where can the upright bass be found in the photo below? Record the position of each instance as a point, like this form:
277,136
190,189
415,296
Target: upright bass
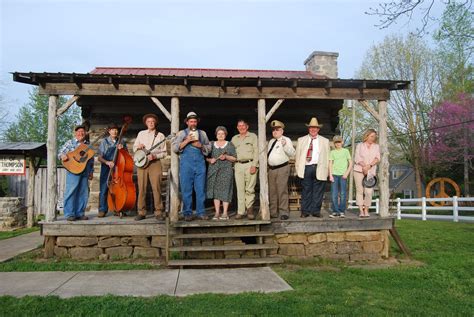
121,195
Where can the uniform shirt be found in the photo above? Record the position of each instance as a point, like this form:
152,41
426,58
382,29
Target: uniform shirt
280,154
146,137
315,153
246,147
340,158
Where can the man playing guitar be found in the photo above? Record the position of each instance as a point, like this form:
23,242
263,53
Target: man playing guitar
76,194
152,172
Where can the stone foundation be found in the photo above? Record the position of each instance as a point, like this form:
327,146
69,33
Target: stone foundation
351,246
106,247
12,212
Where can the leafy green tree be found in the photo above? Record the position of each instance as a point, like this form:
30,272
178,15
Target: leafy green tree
455,48
407,58
31,122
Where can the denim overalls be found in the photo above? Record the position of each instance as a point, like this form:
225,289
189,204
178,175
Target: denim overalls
192,175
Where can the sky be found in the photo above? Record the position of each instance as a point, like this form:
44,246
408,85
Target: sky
76,36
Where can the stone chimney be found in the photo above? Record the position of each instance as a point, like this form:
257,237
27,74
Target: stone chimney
322,63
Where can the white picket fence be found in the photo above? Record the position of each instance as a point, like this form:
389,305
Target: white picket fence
397,206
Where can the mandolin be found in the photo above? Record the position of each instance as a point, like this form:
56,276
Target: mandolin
140,158
77,159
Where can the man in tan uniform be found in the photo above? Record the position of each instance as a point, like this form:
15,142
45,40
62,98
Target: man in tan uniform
246,146
279,151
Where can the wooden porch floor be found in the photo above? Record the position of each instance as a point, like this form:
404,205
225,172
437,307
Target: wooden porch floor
113,225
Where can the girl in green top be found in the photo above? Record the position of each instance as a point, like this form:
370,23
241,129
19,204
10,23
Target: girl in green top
340,165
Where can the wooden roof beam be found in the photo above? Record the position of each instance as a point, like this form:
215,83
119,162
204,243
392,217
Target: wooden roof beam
67,105
162,108
273,109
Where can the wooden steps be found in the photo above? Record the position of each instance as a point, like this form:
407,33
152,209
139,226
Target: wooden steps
218,223
226,262
244,247
224,235
221,243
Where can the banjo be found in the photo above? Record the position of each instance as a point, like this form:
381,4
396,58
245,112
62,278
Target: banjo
140,158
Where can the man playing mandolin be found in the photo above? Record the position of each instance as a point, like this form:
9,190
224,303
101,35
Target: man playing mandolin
106,157
76,194
151,172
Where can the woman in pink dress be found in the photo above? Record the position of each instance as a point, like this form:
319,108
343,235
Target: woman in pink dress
367,156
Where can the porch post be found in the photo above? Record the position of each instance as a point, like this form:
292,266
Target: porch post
51,144
30,212
384,163
262,159
174,188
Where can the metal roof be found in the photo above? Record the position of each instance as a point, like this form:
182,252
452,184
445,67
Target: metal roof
206,72
206,77
24,148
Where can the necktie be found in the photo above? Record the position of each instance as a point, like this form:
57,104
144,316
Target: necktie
309,154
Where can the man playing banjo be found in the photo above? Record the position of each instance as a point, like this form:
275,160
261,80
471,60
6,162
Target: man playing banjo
151,172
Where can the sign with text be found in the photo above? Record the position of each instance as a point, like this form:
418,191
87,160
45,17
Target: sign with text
12,165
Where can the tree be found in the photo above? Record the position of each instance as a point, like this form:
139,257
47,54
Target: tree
407,58
3,110
451,144
393,11
32,121
455,47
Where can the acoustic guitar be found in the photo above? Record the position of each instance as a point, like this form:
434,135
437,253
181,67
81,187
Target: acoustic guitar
140,158
77,159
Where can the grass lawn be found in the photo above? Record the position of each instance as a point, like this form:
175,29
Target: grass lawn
14,233
441,287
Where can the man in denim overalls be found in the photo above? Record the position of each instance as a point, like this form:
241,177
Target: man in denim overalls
193,146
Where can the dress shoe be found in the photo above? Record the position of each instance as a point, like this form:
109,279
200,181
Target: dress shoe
71,218
101,214
188,218
284,217
317,215
139,217
304,215
82,218
239,216
204,217
273,216
250,214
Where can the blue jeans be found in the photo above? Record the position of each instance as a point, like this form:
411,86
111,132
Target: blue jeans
312,192
104,174
76,194
339,187
192,176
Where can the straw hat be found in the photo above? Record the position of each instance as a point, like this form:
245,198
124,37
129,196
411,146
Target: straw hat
314,123
369,182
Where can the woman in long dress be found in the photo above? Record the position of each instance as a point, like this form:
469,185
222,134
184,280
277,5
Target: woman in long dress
220,174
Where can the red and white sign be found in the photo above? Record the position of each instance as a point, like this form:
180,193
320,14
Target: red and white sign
12,165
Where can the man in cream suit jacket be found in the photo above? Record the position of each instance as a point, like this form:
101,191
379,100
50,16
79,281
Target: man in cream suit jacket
312,166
